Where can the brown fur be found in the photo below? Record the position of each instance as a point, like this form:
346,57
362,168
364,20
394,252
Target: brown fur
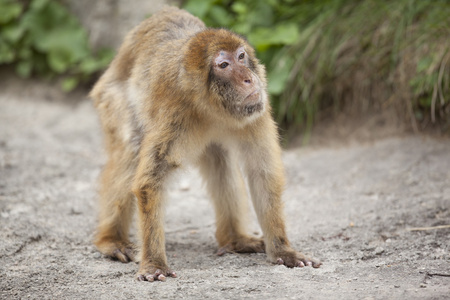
166,100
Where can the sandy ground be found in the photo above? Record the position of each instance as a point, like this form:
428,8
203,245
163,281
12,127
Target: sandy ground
351,206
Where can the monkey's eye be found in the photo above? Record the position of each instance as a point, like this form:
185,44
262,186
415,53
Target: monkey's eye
242,55
223,65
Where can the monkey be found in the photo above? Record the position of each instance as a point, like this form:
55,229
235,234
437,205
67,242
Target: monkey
177,94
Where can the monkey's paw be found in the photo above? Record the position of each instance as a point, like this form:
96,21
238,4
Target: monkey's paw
154,274
293,259
123,251
244,244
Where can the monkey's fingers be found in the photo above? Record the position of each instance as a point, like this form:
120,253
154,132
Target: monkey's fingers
224,250
311,262
130,253
124,254
243,244
297,260
297,263
120,256
158,275
123,251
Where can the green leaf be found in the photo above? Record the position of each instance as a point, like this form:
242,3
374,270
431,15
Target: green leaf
287,34
65,42
105,56
38,5
40,64
239,8
25,53
221,16
69,83
12,33
9,11
198,8
59,60
242,28
24,68
283,34
260,14
279,75
90,65
6,53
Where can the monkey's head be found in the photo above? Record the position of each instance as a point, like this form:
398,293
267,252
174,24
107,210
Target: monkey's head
233,77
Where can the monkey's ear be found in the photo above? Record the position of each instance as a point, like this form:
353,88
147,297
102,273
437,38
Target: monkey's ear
196,59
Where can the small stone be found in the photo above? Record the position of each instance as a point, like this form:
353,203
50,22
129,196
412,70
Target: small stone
378,250
380,264
97,255
360,254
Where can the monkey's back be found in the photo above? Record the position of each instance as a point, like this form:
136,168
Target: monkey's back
148,58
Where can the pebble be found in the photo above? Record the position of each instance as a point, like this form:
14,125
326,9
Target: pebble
360,254
378,250
380,264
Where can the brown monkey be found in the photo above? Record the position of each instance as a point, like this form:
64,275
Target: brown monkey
180,93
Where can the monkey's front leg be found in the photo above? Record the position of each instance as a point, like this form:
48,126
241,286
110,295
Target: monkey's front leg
266,188
266,180
148,190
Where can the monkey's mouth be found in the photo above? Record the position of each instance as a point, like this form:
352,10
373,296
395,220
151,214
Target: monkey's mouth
252,98
252,103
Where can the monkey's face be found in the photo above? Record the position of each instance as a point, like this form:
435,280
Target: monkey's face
238,87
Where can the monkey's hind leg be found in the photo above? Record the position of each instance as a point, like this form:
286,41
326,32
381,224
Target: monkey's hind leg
227,190
116,211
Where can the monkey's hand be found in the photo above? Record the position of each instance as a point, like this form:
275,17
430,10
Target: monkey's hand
123,251
292,258
148,272
243,244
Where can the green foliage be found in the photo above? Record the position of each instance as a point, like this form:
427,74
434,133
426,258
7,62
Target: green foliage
323,54
41,37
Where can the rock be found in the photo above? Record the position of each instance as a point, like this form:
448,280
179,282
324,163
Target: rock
378,250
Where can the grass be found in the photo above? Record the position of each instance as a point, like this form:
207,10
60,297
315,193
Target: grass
364,56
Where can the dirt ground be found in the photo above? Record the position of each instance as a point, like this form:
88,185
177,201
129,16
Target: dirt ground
370,211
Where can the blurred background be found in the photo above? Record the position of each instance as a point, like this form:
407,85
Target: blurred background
348,62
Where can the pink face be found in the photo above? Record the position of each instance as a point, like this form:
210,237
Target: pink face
238,85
